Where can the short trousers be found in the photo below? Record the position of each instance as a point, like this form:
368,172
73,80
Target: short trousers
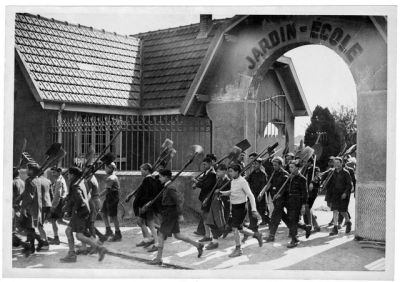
169,222
79,225
58,213
46,213
239,212
110,204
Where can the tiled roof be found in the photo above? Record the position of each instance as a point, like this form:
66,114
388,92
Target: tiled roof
171,60
76,64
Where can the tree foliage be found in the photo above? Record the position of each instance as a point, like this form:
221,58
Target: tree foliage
346,119
333,137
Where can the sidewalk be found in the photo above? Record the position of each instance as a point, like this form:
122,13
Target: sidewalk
319,252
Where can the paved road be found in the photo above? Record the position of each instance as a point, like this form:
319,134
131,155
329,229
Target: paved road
319,252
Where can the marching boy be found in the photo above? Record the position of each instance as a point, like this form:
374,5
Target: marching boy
110,205
239,193
219,208
77,205
148,190
59,191
31,209
171,216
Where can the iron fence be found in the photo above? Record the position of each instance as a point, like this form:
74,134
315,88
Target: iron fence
139,141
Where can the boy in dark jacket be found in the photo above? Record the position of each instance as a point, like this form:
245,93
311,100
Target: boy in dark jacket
257,179
45,184
206,183
219,207
297,196
146,192
171,216
338,192
77,205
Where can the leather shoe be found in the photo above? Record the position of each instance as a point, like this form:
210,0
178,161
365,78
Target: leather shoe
200,250
155,261
212,246
146,244
153,249
205,239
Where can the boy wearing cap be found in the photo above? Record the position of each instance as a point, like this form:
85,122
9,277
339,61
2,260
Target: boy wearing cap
171,216
110,204
77,205
59,192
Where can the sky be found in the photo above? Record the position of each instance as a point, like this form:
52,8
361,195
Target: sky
324,76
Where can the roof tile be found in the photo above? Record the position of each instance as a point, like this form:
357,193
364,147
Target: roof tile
53,51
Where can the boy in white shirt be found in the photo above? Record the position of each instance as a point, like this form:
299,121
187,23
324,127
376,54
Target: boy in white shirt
239,193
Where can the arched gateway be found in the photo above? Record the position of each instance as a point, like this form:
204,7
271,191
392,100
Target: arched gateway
251,45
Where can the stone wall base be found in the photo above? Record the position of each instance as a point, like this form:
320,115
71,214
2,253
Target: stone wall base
371,210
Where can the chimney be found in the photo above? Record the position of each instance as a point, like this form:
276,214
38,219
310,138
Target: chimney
205,25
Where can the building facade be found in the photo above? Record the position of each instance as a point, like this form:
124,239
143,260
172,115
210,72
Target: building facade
78,85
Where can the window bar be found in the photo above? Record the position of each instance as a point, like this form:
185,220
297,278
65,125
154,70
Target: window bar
131,144
174,138
178,147
271,117
210,136
138,140
259,117
263,117
179,143
274,118
142,123
154,137
148,139
70,136
170,135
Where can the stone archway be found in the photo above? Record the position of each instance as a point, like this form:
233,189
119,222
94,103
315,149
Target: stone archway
258,41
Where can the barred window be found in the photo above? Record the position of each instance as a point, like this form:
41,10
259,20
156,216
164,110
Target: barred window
140,140
272,115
